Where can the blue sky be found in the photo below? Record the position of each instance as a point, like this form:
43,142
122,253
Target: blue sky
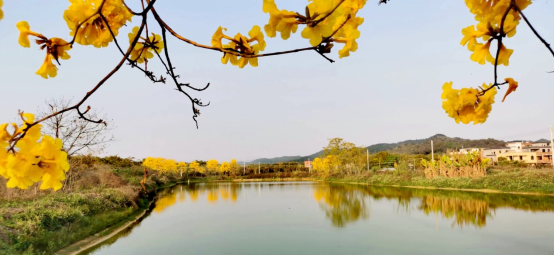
387,91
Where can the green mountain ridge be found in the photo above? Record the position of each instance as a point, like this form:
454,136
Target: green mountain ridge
441,143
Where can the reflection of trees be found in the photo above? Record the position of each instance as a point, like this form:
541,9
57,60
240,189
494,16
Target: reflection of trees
466,212
167,199
342,204
170,196
345,203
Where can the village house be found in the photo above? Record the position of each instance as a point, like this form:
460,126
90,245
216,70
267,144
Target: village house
535,153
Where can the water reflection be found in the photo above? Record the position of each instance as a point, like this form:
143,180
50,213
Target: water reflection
294,211
213,192
465,212
345,204
342,204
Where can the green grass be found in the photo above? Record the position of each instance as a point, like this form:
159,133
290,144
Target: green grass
501,179
50,221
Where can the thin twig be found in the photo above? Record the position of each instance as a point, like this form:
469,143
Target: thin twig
535,31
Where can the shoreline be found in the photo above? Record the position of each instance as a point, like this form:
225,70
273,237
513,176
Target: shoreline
98,238
490,191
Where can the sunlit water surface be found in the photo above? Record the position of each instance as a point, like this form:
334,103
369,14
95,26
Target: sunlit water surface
323,218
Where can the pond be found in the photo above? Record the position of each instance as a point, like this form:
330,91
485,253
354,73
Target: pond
330,218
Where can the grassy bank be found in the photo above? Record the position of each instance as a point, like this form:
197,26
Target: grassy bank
96,196
506,179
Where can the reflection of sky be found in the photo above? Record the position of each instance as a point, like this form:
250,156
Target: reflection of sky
289,105
285,219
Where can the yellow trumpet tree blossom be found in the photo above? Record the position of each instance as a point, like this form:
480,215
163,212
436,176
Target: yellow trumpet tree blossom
34,158
146,47
181,166
212,165
56,48
88,27
225,168
468,104
195,166
234,166
240,44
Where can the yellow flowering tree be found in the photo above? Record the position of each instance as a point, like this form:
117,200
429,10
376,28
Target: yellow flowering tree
224,168
234,166
323,23
212,165
182,166
195,166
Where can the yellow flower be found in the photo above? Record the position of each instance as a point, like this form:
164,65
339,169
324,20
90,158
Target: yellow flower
317,33
56,48
321,6
143,50
226,57
268,6
34,160
48,69
468,104
217,37
504,55
510,25
512,87
23,169
286,25
482,53
24,33
94,31
470,35
349,40
257,35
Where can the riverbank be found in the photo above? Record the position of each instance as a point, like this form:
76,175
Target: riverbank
99,199
508,180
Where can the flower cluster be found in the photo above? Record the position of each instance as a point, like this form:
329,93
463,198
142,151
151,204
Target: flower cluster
497,19
468,104
35,157
56,48
323,19
241,45
324,166
164,165
145,49
83,18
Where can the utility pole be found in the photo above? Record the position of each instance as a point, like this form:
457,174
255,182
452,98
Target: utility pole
551,147
367,160
244,169
259,168
432,153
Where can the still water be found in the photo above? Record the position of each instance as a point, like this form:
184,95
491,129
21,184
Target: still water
324,218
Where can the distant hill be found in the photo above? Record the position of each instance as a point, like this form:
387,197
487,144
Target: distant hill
276,160
441,143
